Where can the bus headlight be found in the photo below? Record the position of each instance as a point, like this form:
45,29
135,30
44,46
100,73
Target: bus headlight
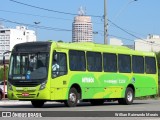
9,86
43,85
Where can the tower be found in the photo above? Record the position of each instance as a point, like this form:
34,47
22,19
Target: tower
82,27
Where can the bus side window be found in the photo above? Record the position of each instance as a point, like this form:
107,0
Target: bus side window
150,65
94,61
124,63
77,60
110,62
138,64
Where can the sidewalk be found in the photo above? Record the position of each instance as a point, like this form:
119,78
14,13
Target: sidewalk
12,102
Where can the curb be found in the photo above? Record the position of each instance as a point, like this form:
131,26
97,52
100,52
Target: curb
13,102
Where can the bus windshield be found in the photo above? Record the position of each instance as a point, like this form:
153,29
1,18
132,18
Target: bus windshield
28,66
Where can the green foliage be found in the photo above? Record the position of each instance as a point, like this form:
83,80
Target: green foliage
60,41
158,63
2,73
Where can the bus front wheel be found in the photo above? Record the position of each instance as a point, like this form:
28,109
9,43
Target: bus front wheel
73,98
129,96
37,103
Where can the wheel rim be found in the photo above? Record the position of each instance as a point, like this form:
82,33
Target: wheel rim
129,96
72,97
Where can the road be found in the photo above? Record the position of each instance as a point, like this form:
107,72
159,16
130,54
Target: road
52,108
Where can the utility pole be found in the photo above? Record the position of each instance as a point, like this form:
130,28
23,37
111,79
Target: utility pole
105,23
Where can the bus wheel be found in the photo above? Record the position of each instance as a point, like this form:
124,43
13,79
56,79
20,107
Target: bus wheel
37,103
73,98
97,102
129,96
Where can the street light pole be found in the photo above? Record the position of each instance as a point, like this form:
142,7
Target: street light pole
105,23
123,8
4,72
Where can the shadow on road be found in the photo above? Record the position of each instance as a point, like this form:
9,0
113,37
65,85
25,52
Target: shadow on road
61,105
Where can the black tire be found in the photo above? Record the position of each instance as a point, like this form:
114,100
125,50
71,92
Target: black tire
97,102
129,96
37,103
1,95
73,98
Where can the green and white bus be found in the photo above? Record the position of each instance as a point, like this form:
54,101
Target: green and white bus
74,72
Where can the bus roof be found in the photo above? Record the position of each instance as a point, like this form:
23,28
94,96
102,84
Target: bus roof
88,46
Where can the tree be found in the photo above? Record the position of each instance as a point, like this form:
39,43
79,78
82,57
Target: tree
60,41
2,73
158,63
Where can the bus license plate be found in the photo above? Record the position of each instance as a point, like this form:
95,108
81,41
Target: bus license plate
25,94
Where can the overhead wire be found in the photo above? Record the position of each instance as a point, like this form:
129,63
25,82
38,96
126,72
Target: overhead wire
34,26
67,30
41,16
60,12
50,10
72,14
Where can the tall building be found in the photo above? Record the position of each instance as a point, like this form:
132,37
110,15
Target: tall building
9,37
82,28
152,43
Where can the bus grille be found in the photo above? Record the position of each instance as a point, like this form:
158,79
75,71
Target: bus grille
30,96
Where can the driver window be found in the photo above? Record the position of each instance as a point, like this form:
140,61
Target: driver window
59,64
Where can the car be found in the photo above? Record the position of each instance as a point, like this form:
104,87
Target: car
2,89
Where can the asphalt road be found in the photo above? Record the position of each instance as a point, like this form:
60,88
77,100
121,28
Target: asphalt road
144,106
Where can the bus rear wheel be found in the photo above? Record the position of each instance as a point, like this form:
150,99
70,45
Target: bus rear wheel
73,98
129,96
37,103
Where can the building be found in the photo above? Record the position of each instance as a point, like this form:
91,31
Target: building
152,43
9,37
82,28
115,41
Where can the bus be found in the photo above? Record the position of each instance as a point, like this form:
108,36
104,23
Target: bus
77,72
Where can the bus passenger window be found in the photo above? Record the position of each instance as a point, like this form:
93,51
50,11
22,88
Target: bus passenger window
94,61
124,63
110,62
137,64
150,65
77,60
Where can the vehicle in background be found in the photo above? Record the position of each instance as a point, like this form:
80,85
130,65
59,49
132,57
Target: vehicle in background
2,89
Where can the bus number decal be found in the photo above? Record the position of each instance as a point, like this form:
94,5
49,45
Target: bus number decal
115,81
87,80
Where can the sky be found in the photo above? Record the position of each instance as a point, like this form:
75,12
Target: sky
130,19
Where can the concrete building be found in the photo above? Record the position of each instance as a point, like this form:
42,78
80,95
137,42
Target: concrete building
152,43
115,41
82,30
9,37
